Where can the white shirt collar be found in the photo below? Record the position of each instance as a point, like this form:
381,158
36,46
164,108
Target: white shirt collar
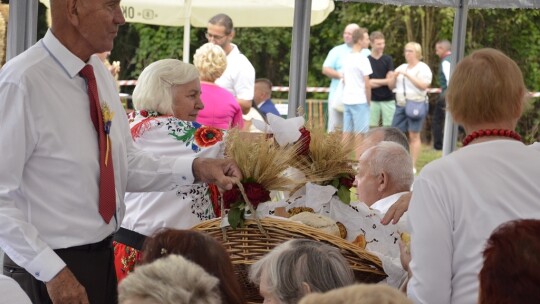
64,57
234,50
386,202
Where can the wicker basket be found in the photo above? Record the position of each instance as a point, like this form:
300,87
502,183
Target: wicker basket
247,245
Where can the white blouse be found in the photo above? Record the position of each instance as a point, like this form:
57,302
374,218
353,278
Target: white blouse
187,205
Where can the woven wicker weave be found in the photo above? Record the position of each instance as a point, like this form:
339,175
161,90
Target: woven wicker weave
247,245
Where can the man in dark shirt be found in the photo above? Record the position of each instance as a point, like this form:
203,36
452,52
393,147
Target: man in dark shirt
383,104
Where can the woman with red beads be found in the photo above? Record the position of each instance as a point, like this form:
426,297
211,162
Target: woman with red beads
460,199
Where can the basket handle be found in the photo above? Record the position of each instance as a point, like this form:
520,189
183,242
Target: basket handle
250,206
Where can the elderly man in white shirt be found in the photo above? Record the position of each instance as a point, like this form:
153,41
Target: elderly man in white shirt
384,175
56,238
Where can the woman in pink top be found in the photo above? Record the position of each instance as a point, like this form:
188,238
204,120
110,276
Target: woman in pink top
221,110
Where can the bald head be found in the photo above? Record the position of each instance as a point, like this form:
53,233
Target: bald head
348,32
383,170
377,135
86,27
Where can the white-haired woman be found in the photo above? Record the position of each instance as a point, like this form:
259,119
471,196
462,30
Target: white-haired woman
221,110
411,81
167,101
298,267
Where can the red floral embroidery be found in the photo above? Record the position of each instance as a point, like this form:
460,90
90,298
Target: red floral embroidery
208,136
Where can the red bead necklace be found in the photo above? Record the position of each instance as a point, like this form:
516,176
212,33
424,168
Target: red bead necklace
495,132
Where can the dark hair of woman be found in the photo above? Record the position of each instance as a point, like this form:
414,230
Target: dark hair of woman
201,249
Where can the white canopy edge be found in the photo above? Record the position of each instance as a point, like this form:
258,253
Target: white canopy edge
245,13
456,3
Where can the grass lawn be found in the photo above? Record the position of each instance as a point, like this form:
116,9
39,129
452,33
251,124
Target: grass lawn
427,155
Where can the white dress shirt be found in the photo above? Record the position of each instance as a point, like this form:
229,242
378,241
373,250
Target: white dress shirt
49,176
457,202
187,205
239,76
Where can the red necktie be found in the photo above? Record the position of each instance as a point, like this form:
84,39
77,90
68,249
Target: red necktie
107,193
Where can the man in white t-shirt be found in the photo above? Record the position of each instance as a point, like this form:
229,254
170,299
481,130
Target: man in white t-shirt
356,89
239,76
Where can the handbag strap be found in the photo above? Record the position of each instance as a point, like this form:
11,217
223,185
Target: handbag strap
404,87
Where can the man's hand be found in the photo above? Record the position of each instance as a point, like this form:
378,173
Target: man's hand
64,288
222,172
405,257
396,211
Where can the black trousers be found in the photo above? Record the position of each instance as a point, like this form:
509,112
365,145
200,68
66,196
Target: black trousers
437,124
92,265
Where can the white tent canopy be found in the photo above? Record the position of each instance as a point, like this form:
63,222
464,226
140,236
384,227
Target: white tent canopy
458,3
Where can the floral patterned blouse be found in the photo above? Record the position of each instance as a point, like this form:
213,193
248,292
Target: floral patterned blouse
185,206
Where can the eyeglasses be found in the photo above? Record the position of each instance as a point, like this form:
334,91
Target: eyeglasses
215,37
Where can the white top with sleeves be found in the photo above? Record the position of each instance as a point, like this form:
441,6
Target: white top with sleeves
49,180
11,292
239,76
457,202
355,68
420,71
186,206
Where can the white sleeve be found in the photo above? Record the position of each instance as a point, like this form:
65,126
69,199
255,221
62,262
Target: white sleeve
446,70
18,238
426,75
431,245
149,172
366,67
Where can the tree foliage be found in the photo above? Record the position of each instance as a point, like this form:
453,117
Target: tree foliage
514,31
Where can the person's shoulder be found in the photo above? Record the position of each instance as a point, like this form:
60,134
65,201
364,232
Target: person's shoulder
387,57
423,65
535,146
24,65
10,289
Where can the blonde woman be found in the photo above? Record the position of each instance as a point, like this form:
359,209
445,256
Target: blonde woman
411,81
221,110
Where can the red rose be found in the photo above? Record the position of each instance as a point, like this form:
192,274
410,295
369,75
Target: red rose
305,139
208,136
256,193
230,197
347,181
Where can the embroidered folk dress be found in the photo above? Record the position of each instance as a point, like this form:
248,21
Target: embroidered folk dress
181,208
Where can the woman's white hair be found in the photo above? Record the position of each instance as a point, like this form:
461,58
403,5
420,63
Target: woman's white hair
300,261
211,61
170,280
154,86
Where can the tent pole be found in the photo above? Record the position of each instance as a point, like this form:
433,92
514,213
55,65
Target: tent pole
187,30
458,51
22,30
299,56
